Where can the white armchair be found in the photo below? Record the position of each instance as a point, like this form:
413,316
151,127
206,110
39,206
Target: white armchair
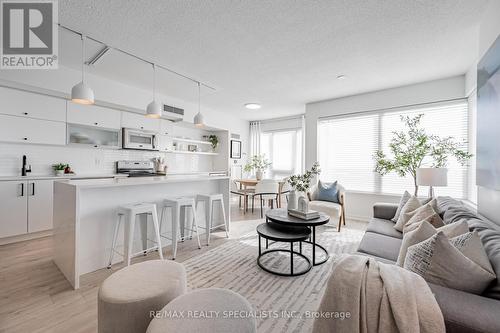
335,210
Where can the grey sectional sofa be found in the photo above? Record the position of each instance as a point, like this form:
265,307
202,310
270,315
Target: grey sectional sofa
463,312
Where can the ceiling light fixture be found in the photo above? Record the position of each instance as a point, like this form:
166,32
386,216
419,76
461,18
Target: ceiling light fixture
198,119
253,106
341,77
154,108
81,93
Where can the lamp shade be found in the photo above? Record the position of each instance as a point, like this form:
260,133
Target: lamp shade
432,176
153,110
198,120
82,94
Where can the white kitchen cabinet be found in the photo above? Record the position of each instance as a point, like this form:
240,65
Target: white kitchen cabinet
165,143
166,127
30,105
25,206
13,208
93,115
140,121
27,130
40,205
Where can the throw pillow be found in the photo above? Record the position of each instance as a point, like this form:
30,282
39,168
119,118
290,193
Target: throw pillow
471,246
410,206
421,214
435,220
328,192
404,199
439,262
424,231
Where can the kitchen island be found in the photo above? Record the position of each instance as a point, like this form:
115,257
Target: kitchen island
85,212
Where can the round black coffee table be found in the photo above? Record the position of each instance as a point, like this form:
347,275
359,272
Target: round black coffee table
280,216
280,233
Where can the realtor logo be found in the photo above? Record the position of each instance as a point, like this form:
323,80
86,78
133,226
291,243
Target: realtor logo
29,34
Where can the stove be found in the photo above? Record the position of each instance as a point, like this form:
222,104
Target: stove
137,168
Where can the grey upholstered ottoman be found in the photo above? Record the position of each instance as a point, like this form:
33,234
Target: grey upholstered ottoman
206,310
128,297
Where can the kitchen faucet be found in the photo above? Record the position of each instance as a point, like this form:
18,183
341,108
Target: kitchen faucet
25,169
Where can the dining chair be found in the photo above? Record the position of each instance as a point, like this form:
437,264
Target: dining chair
285,188
237,191
266,189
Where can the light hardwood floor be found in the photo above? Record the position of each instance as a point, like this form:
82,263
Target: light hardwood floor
35,296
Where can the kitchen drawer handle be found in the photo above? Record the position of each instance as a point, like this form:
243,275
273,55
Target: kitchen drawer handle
96,123
25,139
22,189
25,113
33,189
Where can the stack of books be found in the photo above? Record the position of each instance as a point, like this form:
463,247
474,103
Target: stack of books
309,215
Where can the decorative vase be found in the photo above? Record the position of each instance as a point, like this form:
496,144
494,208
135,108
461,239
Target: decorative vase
258,174
292,200
59,172
303,204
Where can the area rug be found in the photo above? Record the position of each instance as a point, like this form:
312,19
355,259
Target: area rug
281,304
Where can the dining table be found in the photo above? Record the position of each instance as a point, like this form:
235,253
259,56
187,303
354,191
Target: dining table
248,184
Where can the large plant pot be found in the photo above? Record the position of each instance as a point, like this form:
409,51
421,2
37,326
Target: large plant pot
258,174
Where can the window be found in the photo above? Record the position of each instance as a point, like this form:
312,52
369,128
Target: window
284,150
346,145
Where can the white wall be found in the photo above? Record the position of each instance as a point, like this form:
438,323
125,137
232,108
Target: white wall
359,205
488,200
120,95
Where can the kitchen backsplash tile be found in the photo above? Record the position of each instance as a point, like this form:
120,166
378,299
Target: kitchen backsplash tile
89,160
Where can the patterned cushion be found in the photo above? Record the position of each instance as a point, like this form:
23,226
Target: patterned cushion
438,261
425,230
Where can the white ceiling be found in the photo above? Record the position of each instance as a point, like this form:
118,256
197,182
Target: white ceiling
281,53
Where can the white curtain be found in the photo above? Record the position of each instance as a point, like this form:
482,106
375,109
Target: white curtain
255,133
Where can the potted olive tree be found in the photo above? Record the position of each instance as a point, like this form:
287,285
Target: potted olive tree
413,148
259,163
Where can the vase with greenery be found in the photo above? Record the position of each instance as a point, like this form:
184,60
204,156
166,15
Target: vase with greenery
413,148
301,184
259,163
214,140
59,168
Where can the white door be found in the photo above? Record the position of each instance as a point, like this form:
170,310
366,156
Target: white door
13,208
27,130
40,205
93,115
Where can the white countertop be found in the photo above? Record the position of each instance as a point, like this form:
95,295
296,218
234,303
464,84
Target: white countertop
137,181
75,176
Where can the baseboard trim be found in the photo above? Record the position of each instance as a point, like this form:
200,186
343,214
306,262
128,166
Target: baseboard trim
25,237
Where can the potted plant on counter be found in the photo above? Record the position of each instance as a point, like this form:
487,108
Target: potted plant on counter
259,163
59,168
300,184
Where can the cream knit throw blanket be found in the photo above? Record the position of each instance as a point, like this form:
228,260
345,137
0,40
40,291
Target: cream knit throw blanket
377,297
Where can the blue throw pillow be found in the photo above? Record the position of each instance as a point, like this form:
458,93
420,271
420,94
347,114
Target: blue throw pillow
328,192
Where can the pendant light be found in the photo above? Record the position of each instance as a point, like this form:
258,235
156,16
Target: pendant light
198,119
154,108
82,93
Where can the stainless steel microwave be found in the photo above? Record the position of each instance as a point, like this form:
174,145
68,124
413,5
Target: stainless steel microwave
138,139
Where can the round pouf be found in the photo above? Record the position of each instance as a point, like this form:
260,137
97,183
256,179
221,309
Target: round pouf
128,298
206,310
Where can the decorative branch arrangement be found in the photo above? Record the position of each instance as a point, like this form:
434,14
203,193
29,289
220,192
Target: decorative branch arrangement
257,163
302,183
411,146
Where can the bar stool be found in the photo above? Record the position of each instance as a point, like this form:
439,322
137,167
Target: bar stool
209,200
175,204
131,212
